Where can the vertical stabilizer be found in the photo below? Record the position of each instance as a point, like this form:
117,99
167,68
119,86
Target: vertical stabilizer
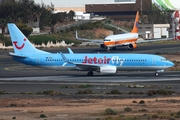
135,28
20,43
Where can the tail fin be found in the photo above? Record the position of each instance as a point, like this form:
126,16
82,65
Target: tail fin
20,43
135,28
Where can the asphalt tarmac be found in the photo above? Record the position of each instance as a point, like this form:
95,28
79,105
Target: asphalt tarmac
18,77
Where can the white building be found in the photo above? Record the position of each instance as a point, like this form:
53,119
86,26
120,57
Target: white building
150,31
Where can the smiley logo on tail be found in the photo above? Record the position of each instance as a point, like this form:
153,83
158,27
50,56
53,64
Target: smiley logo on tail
19,47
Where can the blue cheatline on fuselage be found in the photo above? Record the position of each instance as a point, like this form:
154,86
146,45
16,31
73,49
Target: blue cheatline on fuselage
26,53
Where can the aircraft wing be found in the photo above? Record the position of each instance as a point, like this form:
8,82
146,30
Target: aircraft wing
80,66
88,40
152,40
87,66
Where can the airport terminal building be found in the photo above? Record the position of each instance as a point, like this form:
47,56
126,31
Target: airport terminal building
114,9
120,10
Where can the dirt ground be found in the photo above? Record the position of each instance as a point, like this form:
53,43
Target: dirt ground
74,109
57,108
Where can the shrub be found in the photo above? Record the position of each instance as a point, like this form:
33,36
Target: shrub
178,113
67,30
109,111
115,92
151,92
127,109
85,86
13,105
39,93
134,101
132,92
155,116
98,119
80,92
164,92
64,86
88,91
8,43
14,118
143,110
48,92
2,92
142,102
42,116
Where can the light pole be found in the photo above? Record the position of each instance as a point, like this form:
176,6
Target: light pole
141,6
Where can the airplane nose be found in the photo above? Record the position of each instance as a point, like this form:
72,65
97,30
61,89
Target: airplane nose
170,63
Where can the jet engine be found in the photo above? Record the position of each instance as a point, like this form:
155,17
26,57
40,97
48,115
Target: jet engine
132,46
108,70
102,45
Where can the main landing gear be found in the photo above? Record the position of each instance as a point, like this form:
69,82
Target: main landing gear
130,48
111,48
90,73
108,49
156,73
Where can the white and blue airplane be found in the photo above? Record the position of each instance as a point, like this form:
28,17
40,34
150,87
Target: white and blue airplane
26,53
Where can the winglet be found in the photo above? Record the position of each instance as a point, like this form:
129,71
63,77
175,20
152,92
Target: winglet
70,51
135,28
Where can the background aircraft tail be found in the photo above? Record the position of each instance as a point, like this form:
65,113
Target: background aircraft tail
21,44
135,28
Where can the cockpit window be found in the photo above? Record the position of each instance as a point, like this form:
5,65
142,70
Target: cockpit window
107,40
163,60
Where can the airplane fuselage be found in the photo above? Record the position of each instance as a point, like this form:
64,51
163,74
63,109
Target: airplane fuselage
120,39
120,61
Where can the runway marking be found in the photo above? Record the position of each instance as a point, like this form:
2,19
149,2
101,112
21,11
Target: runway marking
6,69
100,79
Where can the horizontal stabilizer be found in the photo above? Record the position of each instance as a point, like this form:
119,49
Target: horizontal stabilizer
15,55
70,51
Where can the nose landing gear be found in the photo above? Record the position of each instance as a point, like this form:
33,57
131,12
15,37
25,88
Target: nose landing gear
156,73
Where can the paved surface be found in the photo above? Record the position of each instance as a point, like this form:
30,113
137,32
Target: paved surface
17,77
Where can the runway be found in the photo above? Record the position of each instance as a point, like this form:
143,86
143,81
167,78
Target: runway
81,77
100,83
11,68
17,77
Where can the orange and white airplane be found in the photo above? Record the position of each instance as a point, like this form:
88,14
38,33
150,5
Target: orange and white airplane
113,41
126,39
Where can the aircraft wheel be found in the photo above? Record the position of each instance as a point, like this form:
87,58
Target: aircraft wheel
108,49
90,73
156,74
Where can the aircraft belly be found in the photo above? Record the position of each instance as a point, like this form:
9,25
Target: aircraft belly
61,68
148,68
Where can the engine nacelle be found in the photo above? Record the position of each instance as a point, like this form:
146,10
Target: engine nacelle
132,46
102,45
108,70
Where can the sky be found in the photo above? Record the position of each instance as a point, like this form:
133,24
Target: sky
74,3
